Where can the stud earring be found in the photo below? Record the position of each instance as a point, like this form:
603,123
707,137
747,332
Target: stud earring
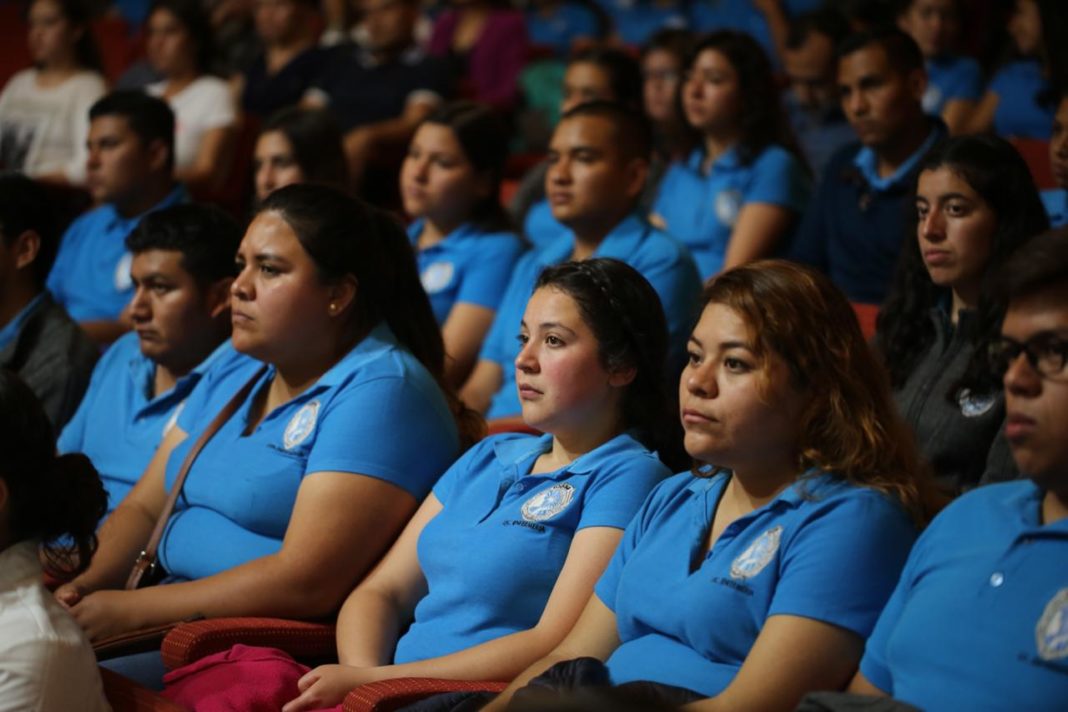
333,308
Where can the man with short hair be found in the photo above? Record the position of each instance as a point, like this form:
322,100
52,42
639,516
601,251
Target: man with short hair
38,340
598,162
812,101
855,225
182,267
979,618
131,161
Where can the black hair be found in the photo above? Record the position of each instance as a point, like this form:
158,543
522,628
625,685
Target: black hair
192,15
902,53
484,139
77,14
826,21
1039,265
624,313
762,119
206,236
147,116
1001,178
634,137
52,498
24,205
345,236
624,73
316,140
671,39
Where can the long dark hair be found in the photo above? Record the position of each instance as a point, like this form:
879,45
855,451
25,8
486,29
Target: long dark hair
997,173
762,120
76,13
56,499
316,140
345,236
484,140
623,312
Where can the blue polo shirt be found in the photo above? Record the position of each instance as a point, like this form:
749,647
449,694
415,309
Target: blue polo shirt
855,226
540,227
119,423
979,619
1022,113
569,21
660,258
823,549
469,266
91,274
377,412
515,530
951,78
1056,202
701,210
820,132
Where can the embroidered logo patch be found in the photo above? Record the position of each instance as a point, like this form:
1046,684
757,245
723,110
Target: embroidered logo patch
548,503
728,203
437,276
1051,633
972,406
123,281
753,560
301,425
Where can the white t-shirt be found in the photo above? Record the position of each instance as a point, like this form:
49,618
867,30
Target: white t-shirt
204,105
46,663
43,129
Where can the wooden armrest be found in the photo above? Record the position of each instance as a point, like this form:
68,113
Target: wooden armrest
189,642
125,695
388,695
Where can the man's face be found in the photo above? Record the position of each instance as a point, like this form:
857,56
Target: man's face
934,24
119,161
390,24
172,313
1036,404
879,101
589,179
811,69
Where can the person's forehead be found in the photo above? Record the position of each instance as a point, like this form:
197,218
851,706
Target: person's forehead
868,60
590,131
1043,310
111,125
159,261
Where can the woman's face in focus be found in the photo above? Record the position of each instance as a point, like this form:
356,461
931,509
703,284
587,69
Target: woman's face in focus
51,37
169,46
274,164
739,411
955,229
279,304
660,81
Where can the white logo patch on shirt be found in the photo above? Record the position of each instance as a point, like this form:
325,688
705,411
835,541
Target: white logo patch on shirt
437,276
1051,633
301,425
753,560
728,204
548,503
123,281
972,406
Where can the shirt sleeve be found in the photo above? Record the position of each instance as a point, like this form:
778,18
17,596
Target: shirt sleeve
59,275
842,563
968,85
779,179
619,489
499,344
487,275
408,442
473,458
216,108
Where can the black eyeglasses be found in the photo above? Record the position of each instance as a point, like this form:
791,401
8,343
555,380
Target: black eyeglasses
1045,352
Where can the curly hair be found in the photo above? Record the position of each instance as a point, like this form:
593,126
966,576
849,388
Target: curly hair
997,173
850,427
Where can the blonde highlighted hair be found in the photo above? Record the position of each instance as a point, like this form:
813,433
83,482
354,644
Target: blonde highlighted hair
850,427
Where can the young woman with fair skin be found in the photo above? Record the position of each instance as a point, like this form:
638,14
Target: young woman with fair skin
742,188
178,43
43,110
449,183
755,580
975,205
300,492
594,340
298,145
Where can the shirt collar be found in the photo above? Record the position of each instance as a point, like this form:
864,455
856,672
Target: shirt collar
11,330
465,230
370,347
868,163
813,483
728,160
113,221
412,55
19,565
510,453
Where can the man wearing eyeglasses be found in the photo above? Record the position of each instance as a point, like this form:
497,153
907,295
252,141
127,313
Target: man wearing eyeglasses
979,619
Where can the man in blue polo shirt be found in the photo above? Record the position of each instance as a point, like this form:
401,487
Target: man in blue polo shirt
598,162
855,225
182,267
131,157
979,619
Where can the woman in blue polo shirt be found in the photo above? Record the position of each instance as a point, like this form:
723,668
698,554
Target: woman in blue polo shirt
306,484
741,191
975,204
500,559
757,576
450,182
